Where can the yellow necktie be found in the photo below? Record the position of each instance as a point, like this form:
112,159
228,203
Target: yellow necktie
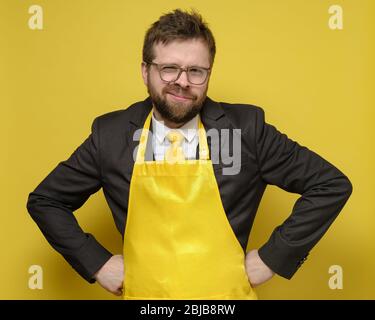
174,153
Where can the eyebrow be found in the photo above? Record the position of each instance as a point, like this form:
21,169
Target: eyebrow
176,64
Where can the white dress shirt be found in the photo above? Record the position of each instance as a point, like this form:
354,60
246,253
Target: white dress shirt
160,142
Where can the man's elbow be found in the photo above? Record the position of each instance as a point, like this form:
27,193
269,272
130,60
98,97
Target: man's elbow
348,187
31,205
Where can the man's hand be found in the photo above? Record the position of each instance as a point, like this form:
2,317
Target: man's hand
256,270
111,275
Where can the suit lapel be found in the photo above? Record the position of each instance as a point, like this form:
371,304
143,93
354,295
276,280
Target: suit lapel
134,128
214,121
139,117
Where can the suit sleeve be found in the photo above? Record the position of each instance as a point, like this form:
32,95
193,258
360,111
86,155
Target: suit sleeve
64,190
324,190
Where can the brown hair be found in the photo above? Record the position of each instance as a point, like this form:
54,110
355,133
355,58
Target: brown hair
177,25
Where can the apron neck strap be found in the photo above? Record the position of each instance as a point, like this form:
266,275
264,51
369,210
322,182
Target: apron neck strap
203,147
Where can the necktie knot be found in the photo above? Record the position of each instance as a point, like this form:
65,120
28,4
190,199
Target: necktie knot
175,137
174,153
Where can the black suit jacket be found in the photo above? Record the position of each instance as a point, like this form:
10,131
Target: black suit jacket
105,160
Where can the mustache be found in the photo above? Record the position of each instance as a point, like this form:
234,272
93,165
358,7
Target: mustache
179,92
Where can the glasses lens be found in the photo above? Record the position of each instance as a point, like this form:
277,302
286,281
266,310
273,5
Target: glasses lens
197,75
169,73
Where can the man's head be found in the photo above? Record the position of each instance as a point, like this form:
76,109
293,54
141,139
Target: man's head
178,40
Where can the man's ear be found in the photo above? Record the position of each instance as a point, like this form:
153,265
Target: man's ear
144,70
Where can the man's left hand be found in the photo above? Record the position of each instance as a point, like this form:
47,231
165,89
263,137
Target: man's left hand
257,271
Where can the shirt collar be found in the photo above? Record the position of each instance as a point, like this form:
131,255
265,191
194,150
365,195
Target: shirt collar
189,129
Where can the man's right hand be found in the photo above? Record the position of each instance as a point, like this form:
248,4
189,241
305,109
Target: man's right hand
111,275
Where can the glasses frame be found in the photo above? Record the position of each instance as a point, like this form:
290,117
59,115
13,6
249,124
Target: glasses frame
159,66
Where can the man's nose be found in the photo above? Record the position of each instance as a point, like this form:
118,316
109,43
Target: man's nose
182,80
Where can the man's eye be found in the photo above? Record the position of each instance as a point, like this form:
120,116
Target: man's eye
196,71
169,69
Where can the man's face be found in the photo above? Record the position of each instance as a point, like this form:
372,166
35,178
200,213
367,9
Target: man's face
177,101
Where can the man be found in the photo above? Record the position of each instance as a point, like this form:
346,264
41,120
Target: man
185,221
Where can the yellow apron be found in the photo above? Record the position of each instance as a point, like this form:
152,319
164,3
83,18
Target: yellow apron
178,243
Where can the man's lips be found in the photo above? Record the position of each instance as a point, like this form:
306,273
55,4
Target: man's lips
179,97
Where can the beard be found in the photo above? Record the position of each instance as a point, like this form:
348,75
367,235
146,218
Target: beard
175,111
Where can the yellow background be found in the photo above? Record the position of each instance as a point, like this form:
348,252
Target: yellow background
315,84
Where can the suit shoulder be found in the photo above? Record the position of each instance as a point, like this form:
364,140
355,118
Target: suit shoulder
111,116
118,117
243,115
241,108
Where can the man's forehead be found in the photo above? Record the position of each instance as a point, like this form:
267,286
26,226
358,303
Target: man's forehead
189,52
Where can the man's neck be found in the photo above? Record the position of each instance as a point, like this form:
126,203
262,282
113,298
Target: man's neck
167,123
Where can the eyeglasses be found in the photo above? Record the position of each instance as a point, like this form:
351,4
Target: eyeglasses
171,73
